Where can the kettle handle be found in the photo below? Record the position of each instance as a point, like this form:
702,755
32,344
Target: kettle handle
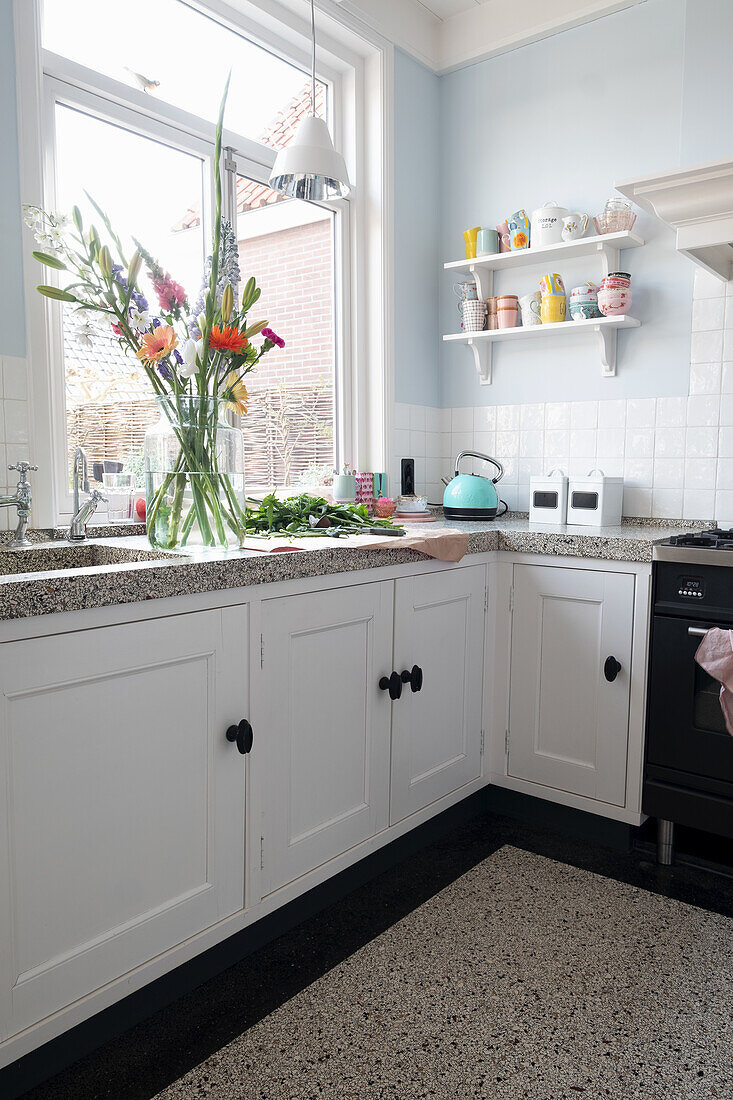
486,458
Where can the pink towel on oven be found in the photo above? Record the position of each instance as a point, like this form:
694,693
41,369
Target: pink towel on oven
715,656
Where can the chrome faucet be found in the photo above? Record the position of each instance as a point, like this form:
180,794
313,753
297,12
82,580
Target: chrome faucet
22,501
83,511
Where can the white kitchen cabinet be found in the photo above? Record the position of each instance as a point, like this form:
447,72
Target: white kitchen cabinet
436,731
568,722
122,816
326,741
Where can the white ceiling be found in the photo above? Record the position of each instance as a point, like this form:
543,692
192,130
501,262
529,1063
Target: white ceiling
444,9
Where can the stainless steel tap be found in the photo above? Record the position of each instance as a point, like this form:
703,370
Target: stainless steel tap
21,500
83,510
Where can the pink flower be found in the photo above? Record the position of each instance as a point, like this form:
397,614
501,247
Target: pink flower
171,294
116,329
273,338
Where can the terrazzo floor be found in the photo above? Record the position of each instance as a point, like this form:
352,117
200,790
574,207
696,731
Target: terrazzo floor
496,963
524,978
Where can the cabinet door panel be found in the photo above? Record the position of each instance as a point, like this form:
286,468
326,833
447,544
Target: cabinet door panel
568,724
125,816
436,732
327,770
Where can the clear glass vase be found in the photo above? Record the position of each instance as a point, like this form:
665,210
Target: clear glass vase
194,475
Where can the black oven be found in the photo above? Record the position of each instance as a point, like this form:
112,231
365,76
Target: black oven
688,774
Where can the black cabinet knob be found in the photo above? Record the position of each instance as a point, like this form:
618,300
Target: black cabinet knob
243,735
611,669
413,677
392,684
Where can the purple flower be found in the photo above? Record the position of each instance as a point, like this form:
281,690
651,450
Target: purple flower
156,322
177,356
165,372
273,338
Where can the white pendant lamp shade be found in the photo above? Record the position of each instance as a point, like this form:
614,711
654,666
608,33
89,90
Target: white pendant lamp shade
310,168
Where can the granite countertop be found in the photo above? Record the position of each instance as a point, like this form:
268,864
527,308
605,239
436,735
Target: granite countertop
116,570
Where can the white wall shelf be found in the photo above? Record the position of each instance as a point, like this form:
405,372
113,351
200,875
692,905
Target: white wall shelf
606,247
604,328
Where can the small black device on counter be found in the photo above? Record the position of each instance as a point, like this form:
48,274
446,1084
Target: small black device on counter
407,477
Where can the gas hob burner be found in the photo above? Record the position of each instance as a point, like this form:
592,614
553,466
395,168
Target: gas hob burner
715,539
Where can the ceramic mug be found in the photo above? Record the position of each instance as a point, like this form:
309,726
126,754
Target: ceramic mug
507,316
518,230
470,236
344,487
552,308
503,230
552,284
488,242
530,306
473,315
492,320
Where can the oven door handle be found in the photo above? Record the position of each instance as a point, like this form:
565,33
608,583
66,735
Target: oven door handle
697,631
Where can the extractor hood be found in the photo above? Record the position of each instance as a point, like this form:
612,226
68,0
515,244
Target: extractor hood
698,204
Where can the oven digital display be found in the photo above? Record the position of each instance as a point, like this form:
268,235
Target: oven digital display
692,587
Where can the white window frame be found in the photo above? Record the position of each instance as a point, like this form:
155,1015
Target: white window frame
354,61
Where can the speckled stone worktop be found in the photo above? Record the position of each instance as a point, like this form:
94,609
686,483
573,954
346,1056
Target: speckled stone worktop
119,570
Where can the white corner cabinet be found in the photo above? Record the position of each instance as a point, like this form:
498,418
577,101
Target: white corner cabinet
605,247
176,770
570,683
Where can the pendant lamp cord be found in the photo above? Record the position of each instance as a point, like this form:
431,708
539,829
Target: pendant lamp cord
313,59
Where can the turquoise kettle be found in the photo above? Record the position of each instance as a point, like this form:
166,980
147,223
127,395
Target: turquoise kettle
471,496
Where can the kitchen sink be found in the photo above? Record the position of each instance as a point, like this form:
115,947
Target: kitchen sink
47,557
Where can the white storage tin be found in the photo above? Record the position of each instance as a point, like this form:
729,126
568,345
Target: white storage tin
595,500
548,497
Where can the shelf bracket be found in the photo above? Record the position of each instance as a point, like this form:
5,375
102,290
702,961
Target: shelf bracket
609,258
482,356
607,348
484,281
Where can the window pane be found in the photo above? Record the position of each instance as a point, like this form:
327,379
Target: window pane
189,55
288,245
143,186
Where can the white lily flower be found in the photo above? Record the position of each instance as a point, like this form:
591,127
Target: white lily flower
189,351
139,319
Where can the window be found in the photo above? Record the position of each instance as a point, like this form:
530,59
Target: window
179,55
154,181
109,402
289,429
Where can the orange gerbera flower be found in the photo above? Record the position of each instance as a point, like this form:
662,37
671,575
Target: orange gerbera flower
158,343
235,393
227,339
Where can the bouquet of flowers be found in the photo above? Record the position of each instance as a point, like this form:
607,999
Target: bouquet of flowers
196,359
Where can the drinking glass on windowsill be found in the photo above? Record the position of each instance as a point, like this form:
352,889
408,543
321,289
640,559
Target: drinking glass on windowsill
120,493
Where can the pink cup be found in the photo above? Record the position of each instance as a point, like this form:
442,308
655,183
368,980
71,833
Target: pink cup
504,243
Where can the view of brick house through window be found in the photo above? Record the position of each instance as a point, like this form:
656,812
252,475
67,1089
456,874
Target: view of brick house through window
288,245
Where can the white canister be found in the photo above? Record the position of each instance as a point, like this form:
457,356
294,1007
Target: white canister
548,498
547,225
595,500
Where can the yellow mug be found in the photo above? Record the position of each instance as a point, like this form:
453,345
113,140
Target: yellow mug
470,236
552,308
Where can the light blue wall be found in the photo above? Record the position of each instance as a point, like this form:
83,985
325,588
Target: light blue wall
12,329
417,214
707,131
562,119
